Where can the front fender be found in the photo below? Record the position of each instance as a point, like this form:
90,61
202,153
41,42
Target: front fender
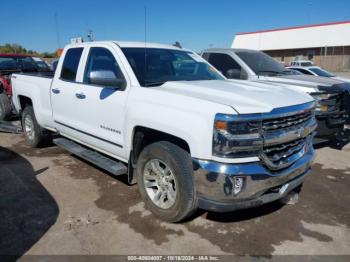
189,119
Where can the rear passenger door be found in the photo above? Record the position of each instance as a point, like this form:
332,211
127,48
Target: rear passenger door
63,92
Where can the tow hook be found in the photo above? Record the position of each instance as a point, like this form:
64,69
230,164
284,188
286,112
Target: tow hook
291,199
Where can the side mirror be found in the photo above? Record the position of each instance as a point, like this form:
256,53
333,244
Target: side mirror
233,74
106,78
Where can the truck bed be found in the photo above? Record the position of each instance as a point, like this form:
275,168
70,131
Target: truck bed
39,74
35,87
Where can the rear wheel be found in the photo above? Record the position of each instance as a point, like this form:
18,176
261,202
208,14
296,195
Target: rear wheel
165,180
5,107
34,135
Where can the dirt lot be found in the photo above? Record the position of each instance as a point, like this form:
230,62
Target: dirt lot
53,203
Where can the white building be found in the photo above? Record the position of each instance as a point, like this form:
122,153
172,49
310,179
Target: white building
326,44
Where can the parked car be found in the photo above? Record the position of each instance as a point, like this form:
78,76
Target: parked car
9,64
173,124
54,64
41,64
302,63
332,96
317,71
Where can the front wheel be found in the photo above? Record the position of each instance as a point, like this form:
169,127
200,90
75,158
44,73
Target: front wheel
34,135
165,180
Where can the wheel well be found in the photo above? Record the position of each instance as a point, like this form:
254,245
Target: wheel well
144,136
2,89
25,101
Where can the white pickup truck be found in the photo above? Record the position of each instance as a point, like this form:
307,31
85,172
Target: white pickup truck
168,120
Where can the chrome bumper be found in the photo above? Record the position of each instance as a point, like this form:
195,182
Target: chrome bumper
214,182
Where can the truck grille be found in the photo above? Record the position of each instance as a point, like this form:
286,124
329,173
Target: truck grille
281,156
335,103
286,122
284,151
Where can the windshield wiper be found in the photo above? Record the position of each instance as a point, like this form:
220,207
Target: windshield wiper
287,72
149,84
269,71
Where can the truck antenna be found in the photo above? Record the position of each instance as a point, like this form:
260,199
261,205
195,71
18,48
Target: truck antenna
145,24
57,31
145,32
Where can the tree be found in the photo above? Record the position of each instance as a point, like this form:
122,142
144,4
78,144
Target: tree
18,49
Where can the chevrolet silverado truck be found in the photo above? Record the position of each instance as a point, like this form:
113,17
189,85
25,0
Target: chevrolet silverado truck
15,63
332,96
173,124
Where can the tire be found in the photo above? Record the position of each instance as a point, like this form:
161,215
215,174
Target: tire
34,135
5,107
180,175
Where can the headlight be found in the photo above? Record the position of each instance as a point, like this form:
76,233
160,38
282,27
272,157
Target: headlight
322,101
233,139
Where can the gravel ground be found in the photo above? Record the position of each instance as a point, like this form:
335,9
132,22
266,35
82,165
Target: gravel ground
54,203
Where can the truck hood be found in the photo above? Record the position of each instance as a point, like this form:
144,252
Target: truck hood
245,97
344,79
309,83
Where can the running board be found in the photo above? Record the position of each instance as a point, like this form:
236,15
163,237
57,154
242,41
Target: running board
112,166
8,127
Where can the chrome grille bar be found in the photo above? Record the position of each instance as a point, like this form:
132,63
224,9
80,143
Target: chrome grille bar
281,123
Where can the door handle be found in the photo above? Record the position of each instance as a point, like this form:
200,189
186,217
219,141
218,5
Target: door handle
56,91
80,95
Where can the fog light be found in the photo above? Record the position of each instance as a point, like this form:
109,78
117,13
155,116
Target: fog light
237,185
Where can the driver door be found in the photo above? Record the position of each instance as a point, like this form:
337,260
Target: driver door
101,102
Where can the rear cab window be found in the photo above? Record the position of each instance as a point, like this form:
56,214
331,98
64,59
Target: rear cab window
71,63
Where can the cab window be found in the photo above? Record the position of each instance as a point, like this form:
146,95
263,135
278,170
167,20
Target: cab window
227,66
71,63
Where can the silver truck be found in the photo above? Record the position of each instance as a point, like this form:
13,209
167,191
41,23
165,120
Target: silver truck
332,96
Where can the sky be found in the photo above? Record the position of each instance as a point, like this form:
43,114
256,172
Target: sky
197,24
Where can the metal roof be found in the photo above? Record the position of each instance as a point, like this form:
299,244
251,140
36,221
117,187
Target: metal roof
294,27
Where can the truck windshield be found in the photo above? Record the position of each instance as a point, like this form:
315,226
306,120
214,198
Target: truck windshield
20,63
263,64
155,66
321,72
41,65
306,64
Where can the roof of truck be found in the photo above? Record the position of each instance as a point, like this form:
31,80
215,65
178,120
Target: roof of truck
143,44
229,50
131,44
304,67
15,55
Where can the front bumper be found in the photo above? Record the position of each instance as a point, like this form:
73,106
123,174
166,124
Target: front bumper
331,128
329,124
214,183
